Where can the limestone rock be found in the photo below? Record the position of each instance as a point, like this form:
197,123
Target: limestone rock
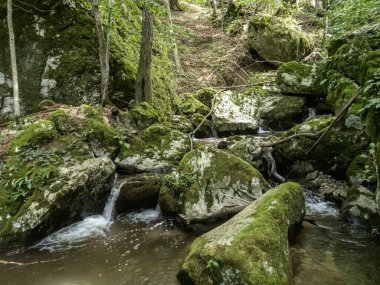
77,191
278,40
208,181
157,149
235,113
251,248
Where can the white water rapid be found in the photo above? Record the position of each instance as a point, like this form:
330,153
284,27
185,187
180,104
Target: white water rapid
91,226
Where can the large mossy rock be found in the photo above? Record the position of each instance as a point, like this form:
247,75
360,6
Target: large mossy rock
49,176
138,191
251,248
332,155
278,40
361,170
209,181
58,57
235,113
156,149
75,192
299,78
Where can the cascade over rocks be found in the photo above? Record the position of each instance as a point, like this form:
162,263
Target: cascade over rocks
278,40
77,191
209,181
252,247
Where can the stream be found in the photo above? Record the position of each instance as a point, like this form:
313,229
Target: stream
144,248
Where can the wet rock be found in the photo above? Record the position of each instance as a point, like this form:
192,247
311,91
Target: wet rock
75,192
235,113
360,206
138,191
209,181
252,247
278,40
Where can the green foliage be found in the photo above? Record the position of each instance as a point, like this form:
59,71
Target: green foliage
347,15
178,182
211,263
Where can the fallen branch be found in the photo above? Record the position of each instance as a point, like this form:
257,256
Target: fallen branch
5,262
298,135
191,134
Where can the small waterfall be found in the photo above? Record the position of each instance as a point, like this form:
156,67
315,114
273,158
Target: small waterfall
263,130
91,226
272,168
311,113
214,133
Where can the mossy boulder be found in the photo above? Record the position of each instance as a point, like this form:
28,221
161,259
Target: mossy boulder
74,192
340,90
332,155
205,95
360,206
208,181
299,78
235,113
348,59
190,105
34,135
362,171
252,247
156,149
282,112
137,192
278,40
145,115
58,57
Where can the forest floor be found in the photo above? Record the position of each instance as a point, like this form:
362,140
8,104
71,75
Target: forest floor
208,55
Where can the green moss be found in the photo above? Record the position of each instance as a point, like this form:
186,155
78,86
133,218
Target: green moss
361,170
36,134
145,115
251,248
340,90
191,105
348,58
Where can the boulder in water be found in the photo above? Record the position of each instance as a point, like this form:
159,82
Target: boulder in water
210,181
138,191
252,247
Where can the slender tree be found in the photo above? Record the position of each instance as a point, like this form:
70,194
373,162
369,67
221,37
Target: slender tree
12,47
175,5
104,43
143,79
177,61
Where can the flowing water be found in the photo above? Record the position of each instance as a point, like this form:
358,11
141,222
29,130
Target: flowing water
144,248
334,252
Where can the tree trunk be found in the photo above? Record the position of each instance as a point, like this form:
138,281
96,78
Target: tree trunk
143,79
213,4
103,49
175,5
177,62
12,47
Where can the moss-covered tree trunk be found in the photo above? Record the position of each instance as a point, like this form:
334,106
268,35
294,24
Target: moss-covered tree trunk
175,5
144,80
103,49
12,47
